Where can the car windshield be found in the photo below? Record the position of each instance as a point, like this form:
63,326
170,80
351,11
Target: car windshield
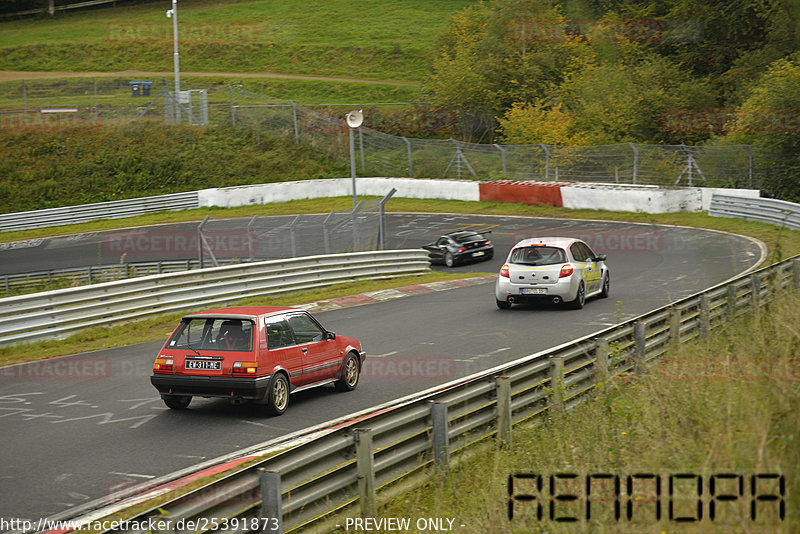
467,238
213,334
537,255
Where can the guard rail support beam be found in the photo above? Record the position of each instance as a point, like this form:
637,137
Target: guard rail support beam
731,301
640,340
271,511
440,437
557,383
796,274
674,328
503,384
601,360
365,464
755,290
704,316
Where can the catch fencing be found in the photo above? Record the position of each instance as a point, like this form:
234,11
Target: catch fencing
58,313
79,102
344,471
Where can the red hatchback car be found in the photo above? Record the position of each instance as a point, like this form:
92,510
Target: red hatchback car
253,353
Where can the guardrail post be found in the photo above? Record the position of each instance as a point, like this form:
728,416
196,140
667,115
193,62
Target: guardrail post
796,274
640,340
441,438
503,410
732,301
704,316
674,328
602,372
755,290
557,384
365,464
271,512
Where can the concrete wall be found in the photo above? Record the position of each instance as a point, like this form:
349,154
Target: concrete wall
612,197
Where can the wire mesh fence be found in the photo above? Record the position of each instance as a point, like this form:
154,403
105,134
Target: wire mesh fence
77,102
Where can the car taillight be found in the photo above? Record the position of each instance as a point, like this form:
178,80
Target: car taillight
162,365
487,244
462,249
245,368
504,271
566,270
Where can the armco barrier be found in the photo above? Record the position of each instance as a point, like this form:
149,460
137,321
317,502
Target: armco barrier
766,210
338,472
54,314
115,209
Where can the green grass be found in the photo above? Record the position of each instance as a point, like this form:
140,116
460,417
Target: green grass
385,41
686,415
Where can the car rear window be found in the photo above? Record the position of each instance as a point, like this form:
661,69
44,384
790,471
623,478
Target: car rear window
213,334
467,238
537,255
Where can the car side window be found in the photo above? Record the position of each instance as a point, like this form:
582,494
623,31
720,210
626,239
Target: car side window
443,241
279,334
587,251
305,329
578,252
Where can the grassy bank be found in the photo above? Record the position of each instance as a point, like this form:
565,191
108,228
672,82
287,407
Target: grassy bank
730,404
386,41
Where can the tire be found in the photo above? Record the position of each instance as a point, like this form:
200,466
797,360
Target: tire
350,374
177,402
606,286
449,260
278,394
580,298
503,304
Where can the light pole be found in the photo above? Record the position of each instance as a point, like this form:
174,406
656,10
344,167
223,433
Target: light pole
354,120
173,14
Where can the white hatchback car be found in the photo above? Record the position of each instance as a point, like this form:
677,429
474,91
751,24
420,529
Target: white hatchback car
555,269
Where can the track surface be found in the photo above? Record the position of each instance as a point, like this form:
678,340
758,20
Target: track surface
77,428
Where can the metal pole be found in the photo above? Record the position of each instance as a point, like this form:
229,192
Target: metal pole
294,121
635,161
546,162
271,501
176,60
365,466
353,167
233,109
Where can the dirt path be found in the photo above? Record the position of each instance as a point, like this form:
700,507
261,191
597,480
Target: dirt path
11,75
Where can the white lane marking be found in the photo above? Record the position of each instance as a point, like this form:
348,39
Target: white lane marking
382,355
131,475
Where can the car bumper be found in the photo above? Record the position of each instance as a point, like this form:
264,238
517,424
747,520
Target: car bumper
482,254
566,289
211,386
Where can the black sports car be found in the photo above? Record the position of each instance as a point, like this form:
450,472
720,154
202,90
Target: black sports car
460,247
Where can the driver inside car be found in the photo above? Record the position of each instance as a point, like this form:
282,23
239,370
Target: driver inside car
232,337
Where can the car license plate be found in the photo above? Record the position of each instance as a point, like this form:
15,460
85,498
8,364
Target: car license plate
479,253
204,365
533,291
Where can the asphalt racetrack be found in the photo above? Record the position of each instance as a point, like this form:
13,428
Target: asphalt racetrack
80,427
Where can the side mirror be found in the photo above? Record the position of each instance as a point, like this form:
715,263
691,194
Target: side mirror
330,335
601,257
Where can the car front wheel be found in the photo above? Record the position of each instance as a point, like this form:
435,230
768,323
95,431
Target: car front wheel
278,394
350,374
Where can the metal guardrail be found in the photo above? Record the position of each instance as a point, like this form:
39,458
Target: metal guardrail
115,209
319,481
778,212
55,314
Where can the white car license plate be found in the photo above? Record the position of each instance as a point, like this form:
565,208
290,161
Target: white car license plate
479,253
533,291
204,365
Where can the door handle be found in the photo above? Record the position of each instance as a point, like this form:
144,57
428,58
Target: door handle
304,349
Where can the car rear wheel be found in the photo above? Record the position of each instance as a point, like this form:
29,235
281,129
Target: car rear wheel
580,298
449,260
277,394
503,304
350,374
606,286
177,402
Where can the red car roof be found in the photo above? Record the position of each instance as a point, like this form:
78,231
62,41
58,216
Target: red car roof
253,311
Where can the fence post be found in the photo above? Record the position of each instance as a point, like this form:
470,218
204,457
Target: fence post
704,316
635,161
601,363
796,274
365,464
502,156
546,161
503,384
557,384
674,328
294,121
410,164
271,512
640,340
440,438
